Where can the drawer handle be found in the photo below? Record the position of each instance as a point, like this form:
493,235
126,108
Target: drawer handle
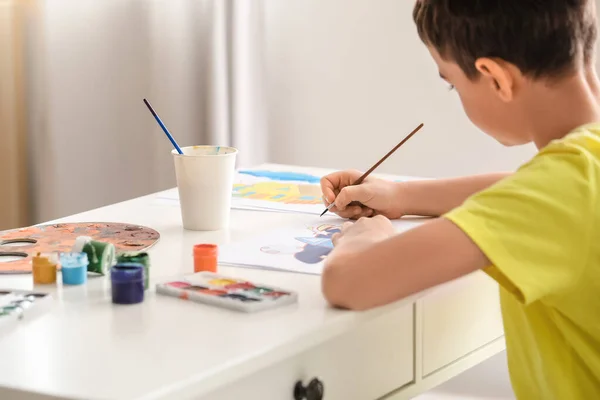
313,391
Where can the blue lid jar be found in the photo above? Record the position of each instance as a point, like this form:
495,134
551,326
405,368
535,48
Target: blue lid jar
74,268
127,282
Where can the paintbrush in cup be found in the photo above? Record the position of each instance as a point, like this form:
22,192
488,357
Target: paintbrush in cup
366,174
164,128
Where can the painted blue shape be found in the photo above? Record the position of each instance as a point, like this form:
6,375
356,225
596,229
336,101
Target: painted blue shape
278,196
316,241
308,198
282,176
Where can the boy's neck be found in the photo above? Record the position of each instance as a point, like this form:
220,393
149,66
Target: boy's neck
560,107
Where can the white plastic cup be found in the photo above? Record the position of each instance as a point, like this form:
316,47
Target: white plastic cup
205,181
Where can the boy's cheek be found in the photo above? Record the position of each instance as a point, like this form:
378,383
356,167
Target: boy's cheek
476,113
489,116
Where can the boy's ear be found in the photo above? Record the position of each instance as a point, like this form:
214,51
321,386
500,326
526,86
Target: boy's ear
500,76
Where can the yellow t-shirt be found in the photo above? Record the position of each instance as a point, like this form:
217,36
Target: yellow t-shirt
540,228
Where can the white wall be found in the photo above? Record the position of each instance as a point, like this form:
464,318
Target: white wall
348,79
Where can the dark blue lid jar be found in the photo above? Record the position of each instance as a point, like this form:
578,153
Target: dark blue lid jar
127,281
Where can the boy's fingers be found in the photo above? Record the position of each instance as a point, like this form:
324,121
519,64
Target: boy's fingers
346,225
333,183
328,196
349,194
335,238
328,190
342,178
364,212
349,212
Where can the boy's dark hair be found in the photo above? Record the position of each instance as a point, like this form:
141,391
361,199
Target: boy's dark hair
543,38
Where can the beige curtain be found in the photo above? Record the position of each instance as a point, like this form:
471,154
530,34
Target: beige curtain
13,158
91,63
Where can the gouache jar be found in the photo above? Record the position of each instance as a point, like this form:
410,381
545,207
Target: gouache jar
205,257
137,258
101,255
74,268
43,269
127,283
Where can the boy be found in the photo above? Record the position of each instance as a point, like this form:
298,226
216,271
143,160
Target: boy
524,70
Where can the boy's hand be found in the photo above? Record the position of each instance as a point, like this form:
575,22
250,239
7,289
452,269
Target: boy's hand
365,231
372,197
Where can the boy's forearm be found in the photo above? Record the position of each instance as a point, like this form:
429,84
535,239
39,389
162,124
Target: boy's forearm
436,197
362,277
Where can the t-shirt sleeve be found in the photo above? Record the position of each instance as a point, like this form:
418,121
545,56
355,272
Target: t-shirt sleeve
535,226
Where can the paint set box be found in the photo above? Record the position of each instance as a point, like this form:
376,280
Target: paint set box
226,292
16,305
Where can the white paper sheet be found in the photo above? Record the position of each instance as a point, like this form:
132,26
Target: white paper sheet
299,249
270,189
265,193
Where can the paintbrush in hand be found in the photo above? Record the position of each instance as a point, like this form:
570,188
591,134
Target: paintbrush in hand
366,174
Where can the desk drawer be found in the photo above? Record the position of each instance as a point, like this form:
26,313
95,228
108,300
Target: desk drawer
458,318
365,364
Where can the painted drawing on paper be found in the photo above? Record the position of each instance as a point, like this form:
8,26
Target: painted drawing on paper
308,249
283,176
284,193
300,248
266,190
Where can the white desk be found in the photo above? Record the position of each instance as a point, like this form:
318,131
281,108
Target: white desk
88,348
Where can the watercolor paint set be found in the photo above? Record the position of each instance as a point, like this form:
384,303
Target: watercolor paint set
226,292
16,305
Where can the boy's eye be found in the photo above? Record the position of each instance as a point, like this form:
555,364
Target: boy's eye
450,88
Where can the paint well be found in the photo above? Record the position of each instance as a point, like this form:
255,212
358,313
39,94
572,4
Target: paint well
179,284
7,257
221,282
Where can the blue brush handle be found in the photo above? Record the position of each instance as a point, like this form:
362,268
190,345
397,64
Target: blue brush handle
168,134
164,128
